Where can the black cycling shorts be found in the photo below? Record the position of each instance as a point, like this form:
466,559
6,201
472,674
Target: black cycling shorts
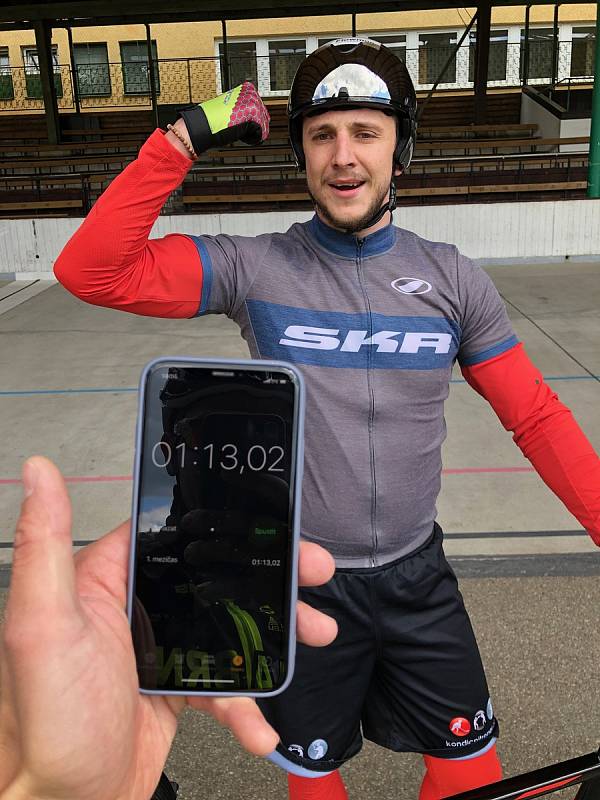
404,670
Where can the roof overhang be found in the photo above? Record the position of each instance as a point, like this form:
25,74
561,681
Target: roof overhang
108,12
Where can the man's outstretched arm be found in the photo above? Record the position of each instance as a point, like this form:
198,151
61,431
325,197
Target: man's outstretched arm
544,429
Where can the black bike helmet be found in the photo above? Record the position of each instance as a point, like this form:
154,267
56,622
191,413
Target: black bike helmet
354,73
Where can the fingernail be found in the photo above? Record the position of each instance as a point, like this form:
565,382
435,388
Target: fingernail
30,477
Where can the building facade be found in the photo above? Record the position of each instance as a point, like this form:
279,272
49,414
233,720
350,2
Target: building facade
108,67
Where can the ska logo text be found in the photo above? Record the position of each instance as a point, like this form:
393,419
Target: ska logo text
352,341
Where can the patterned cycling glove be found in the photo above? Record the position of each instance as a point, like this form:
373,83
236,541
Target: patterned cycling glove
235,115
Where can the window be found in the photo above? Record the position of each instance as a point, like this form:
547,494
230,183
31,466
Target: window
321,42
242,63
434,51
91,68
284,60
31,60
6,82
136,75
4,61
497,57
540,52
33,79
583,51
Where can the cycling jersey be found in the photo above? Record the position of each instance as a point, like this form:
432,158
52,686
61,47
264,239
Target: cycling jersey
374,323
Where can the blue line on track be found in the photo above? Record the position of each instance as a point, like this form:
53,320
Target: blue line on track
127,389
552,378
120,390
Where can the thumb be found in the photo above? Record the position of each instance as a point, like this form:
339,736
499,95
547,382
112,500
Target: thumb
43,575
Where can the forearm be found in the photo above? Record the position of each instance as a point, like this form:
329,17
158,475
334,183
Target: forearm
109,257
568,464
545,431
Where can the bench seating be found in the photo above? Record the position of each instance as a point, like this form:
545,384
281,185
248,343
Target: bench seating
472,131
27,200
114,160
252,192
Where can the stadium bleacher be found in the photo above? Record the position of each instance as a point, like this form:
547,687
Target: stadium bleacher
459,162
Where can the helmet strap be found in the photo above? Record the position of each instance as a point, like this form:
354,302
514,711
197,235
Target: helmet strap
389,206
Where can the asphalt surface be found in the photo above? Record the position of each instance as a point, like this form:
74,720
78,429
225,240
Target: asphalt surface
529,574
539,639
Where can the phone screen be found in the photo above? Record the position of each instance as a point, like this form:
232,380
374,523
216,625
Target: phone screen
211,600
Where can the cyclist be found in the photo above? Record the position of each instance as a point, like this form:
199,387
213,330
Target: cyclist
375,316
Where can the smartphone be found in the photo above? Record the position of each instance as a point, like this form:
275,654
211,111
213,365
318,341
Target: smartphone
215,526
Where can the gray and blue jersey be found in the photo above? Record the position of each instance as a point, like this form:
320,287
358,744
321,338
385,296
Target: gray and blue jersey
375,325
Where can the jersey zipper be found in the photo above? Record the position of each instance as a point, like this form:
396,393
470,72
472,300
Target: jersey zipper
371,420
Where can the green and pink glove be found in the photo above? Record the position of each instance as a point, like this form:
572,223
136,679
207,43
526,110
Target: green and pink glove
238,114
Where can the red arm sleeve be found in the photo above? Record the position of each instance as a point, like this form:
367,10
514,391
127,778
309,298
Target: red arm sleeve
544,429
110,261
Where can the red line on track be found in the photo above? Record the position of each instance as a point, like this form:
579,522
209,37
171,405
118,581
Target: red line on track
77,479
116,478
477,470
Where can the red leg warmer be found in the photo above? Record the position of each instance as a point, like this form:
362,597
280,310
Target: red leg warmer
447,776
329,787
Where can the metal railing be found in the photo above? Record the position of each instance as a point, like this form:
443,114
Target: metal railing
560,92
125,85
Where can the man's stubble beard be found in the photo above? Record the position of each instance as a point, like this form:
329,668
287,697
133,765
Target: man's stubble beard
348,225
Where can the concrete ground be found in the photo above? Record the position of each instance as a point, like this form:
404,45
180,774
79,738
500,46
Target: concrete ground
529,574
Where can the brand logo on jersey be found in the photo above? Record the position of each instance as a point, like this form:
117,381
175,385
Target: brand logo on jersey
353,340
314,338
460,726
411,286
317,749
297,749
479,721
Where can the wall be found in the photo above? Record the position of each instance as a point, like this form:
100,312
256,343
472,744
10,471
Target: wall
486,232
548,124
570,128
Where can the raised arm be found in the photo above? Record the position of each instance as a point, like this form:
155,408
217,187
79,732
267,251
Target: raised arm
110,261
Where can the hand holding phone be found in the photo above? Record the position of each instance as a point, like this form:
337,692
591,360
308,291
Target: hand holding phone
215,526
71,688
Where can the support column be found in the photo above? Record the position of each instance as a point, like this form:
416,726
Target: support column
151,75
594,162
482,59
555,47
43,44
74,75
354,24
226,80
525,52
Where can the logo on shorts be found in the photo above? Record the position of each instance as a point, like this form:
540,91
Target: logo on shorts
489,710
479,721
317,749
460,726
297,749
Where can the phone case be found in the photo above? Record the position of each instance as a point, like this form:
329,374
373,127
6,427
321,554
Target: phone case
252,365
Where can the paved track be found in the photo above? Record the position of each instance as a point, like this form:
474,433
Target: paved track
68,376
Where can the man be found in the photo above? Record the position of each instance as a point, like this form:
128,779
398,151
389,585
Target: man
375,316
72,722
